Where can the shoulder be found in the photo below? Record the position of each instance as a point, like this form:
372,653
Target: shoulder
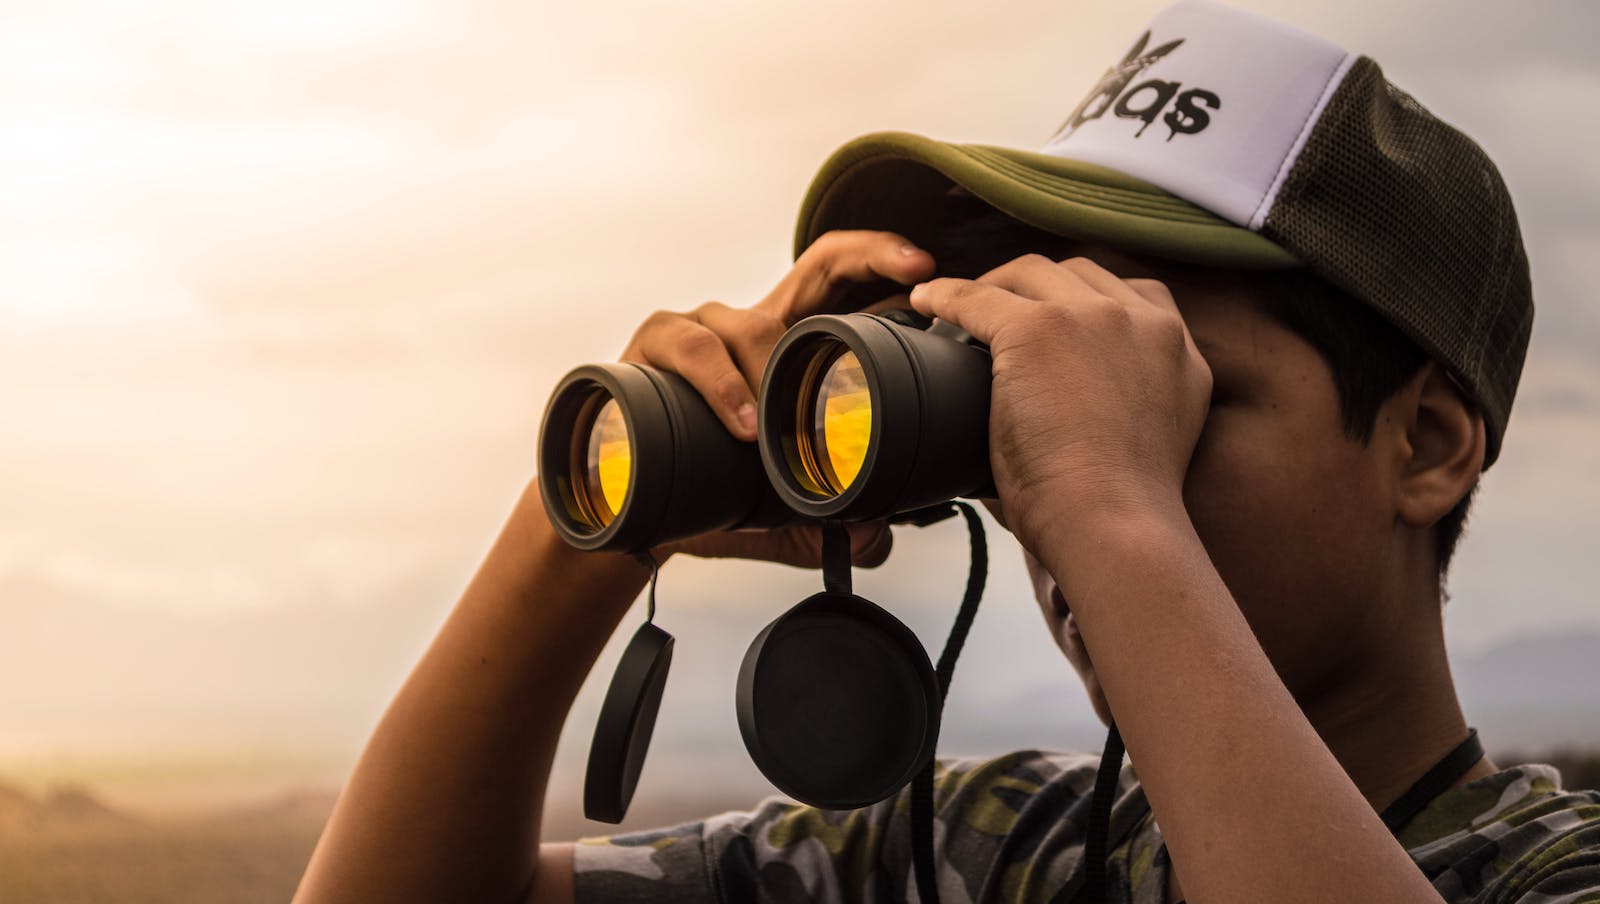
1024,772
1511,835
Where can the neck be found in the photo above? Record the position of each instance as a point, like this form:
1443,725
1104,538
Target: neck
1399,716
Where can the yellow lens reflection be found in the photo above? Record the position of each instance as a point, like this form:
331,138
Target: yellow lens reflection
609,463
842,422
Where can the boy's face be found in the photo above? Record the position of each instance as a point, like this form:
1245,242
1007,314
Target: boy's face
1294,513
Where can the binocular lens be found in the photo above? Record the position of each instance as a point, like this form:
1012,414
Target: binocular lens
835,420
603,462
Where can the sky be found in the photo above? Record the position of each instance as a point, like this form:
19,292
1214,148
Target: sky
283,289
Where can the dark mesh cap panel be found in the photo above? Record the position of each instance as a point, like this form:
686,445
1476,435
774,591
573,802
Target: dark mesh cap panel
1403,211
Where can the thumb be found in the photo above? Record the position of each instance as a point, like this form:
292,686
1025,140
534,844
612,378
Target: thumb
870,543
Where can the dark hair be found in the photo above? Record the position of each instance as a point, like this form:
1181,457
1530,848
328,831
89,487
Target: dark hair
1370,359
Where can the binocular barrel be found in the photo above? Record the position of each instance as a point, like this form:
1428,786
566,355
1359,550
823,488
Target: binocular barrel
860,417
863,417
631,457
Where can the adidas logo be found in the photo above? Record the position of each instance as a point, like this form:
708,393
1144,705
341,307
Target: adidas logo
1190,110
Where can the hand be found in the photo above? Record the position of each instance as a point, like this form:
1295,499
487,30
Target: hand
801,546
723,352
1099,392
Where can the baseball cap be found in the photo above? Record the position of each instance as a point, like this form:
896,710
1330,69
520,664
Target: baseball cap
1228,139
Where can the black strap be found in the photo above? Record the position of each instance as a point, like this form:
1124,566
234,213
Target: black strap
977,576
836,558
1434,782
922,786
1105,793
649,561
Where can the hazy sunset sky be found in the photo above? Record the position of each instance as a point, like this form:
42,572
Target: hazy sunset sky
283,288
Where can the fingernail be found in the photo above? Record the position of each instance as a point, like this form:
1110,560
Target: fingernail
918,290
909,249
747,416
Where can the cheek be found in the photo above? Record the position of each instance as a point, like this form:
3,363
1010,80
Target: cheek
1283,511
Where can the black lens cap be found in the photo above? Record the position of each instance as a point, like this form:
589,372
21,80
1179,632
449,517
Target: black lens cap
838,703
628,716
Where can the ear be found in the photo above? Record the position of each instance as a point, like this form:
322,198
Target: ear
1442,448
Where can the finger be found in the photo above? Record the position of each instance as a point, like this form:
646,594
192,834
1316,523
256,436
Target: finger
749,335
900,301
1156,292
1036,277
1112,286
841,257
801,546
688,348
870,543
978,308
996,512
1151,292
788,546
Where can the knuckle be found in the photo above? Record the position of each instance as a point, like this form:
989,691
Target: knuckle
761,327
652,333
1168,321
1173,334
1151,288
1018,266
826,246
699,343
710,308
658,320
962,289
1115,314
730,386
1080,264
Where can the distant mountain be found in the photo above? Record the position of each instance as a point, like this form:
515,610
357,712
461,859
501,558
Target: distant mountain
291,807
63,808
1533,693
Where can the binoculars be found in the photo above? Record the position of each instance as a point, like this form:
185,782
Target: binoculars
859,417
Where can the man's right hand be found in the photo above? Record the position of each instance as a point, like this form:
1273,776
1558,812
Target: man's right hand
723,352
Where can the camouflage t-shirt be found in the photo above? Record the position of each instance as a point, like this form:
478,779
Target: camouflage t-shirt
1012,829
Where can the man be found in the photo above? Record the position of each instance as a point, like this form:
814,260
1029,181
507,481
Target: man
1238,404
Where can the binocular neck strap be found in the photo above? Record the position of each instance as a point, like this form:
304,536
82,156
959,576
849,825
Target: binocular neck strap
922,786
1099,829
836,579
836,558
649,561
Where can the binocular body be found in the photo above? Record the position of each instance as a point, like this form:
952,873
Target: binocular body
859,417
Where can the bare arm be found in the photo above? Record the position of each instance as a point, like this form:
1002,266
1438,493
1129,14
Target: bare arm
1099,398
446,800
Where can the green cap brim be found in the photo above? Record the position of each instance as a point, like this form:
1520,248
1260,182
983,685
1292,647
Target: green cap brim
897,181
